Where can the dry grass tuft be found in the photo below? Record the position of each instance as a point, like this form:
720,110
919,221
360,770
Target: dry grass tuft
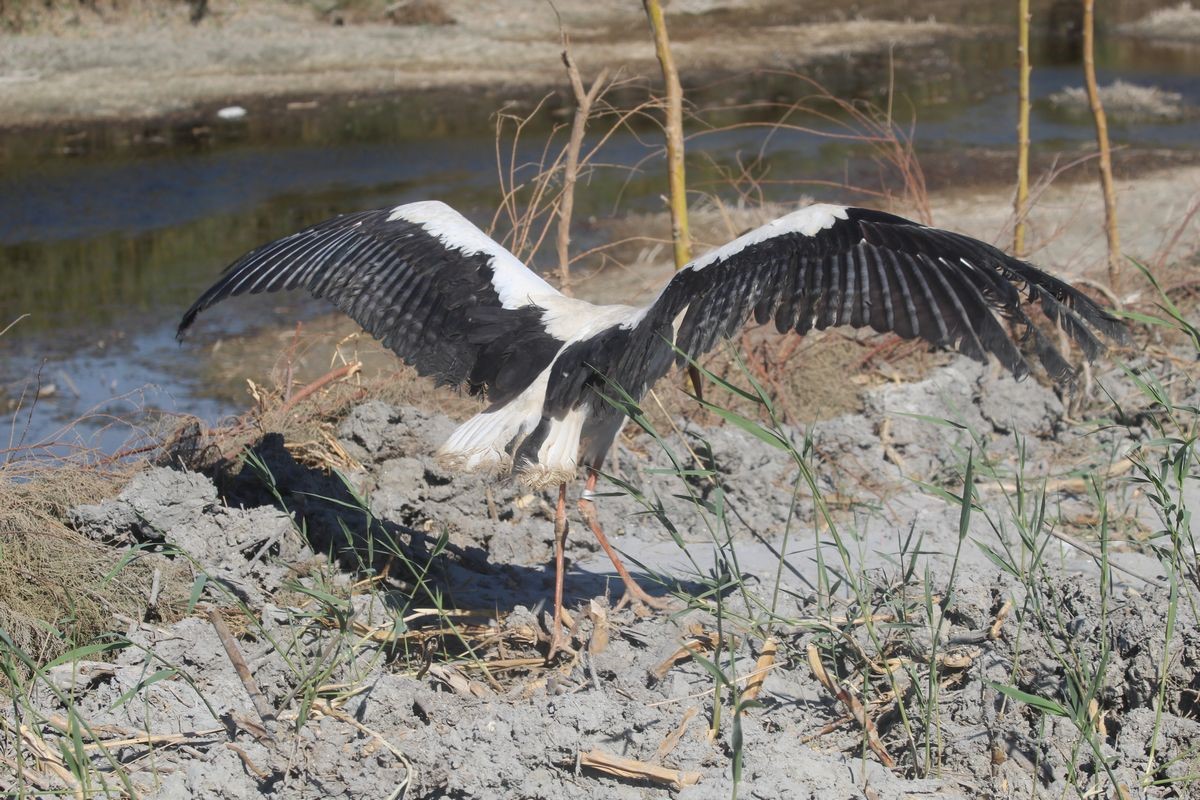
1181,23
1125,102
315,375
53,595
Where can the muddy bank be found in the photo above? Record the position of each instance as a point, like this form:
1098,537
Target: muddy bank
362,710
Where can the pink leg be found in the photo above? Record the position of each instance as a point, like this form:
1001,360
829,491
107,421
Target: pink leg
560,543
633,593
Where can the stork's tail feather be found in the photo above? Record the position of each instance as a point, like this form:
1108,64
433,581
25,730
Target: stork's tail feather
550,455
538,476
484,443
542,449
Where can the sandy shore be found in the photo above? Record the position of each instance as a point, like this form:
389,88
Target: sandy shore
158,64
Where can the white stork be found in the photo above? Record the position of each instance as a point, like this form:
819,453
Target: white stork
463,310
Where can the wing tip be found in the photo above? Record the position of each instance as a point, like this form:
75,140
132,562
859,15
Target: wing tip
189,317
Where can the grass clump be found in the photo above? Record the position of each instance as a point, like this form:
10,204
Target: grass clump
54,594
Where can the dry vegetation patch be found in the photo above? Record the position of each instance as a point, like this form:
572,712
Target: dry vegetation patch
1180,22
56,590
1125,102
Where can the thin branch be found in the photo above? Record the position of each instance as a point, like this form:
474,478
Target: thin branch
1106,177
265,712
674,132
566,204
1021,205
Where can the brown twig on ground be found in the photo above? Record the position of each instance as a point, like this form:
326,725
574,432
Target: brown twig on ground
1106,177
998,623
668,744
566,204
324,707
1021,204
636,770
700,643
265,712
766,660
248,762
852,705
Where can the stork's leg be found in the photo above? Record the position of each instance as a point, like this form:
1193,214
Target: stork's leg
560,545
633,593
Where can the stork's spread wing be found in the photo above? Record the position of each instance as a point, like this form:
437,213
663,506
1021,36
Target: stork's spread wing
828,265
423,280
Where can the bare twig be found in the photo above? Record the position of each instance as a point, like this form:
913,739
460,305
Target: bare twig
14,322
636,770
852,704
265,712
566,204
1021,205
410,772
888,144
1106,177
673,128
321,382
1164,252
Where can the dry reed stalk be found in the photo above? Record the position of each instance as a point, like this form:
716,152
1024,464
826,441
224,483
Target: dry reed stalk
630,769
566,204
852,704
333,375
668,744
673,128
1106,177
766,661
1021,205
47,759
598,614
702,642
681,240
261,706
998,623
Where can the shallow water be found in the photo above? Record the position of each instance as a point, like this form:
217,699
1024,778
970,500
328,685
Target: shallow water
108,233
